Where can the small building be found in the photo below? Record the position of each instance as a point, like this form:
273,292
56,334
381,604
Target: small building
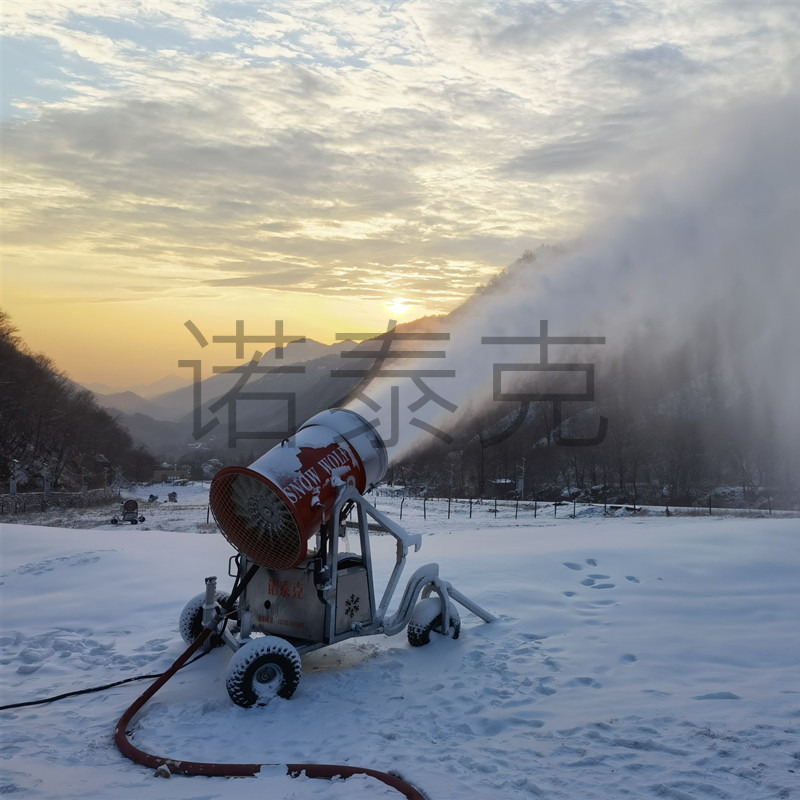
503,487
171,474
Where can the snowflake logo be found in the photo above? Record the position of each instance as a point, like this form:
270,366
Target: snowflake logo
351,606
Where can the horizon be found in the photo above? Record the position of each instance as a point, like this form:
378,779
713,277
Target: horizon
186,380
332,169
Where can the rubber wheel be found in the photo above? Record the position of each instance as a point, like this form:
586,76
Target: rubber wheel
261,670
427,617
190,624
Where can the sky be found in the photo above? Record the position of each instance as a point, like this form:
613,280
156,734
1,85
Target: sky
331,165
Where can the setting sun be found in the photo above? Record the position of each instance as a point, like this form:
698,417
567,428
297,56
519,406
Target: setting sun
399,306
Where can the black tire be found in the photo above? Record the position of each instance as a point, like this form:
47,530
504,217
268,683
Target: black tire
261,670
190,624
427,617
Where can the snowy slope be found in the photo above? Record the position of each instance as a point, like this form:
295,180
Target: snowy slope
647,657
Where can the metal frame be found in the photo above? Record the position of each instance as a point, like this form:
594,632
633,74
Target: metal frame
424,582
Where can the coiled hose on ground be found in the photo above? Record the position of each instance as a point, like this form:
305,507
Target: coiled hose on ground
166,766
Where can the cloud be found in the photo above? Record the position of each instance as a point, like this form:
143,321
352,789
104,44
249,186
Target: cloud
573,154
265,274
238,145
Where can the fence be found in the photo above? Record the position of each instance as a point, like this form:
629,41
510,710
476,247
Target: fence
535,509
41,501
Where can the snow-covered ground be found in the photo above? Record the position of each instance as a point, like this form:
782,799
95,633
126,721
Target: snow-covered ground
633,656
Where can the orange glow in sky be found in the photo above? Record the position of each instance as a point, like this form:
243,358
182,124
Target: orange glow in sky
323,165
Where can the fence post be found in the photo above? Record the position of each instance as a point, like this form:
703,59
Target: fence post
535,503
470,508
516,509
448,508
402,500
424,508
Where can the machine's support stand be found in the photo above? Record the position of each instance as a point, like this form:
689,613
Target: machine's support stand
424,581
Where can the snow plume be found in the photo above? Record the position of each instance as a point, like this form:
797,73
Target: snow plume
698,254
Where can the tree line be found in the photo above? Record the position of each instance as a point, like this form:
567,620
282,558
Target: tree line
677,434
52,432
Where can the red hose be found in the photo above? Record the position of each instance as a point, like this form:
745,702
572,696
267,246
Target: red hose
233,770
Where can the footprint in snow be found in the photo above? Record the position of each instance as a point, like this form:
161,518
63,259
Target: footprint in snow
717,696
544,688
585,681
592,583
154,644
49,564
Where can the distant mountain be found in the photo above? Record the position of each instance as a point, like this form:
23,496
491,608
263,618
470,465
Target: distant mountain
178,403
167,424
234,424
129,402
167,440
166,384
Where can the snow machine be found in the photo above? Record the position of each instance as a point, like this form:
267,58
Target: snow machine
129,512
297,588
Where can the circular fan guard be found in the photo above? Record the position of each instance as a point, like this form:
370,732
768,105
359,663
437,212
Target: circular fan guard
256,520
270,510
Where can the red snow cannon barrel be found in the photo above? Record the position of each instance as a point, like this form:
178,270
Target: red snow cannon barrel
270,510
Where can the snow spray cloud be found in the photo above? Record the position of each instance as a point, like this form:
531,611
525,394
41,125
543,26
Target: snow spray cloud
704,246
